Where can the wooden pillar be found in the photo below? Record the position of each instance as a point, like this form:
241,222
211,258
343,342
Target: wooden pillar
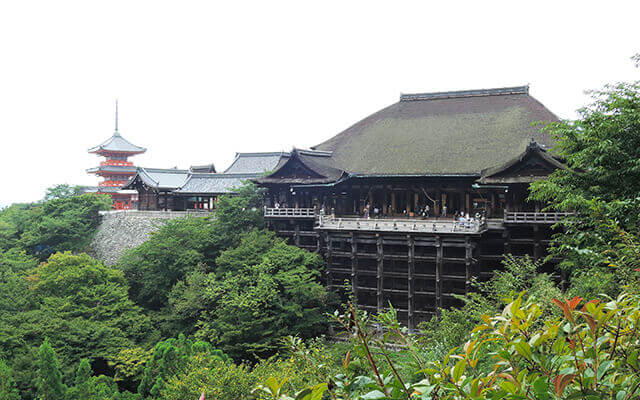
436,205
379,276
505,237
354,266
439,261
416,197
296,234
393,202
467,202
385,207
492,211
329,260
410,286
407,208
536,243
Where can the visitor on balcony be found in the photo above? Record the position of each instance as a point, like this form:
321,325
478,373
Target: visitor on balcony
367,209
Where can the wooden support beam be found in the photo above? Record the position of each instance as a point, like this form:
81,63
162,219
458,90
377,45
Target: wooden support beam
296,234
380,276
329,258
505,238
354,267
410,283
537,250
439,253
468,265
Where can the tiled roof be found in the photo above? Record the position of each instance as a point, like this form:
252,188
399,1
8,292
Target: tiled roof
209,168
213,183
112,168
255,163
117,144
159,178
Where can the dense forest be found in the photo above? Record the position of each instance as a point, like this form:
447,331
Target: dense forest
221,306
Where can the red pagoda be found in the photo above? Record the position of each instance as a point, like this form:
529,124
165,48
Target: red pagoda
116,169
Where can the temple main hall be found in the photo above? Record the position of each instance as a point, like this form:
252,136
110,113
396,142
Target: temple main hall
407,206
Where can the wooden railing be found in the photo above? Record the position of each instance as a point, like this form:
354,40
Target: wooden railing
116,163
401,225
112,183
534,217
289,212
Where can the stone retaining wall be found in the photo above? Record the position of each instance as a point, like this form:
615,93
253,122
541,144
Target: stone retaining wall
121,230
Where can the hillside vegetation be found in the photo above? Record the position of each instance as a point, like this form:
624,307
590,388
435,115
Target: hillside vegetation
221,306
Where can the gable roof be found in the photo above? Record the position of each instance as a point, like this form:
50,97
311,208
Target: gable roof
305,167
533,164
255,163
117,144
159,178
462,132
209,168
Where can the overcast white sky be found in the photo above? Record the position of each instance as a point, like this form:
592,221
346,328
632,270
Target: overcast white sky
198,81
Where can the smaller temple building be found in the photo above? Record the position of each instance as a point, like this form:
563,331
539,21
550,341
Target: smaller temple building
116,169
199,187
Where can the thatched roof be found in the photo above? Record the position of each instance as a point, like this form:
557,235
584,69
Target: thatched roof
442,133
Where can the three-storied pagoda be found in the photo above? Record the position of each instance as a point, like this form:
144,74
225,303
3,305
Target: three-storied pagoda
116,169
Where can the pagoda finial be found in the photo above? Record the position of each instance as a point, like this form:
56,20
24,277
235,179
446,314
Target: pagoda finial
117,117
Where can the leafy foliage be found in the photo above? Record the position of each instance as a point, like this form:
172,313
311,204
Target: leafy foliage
189,244
8,389
601,185
452,327
247,311
591,352
49,384
176,249
62,191
171,357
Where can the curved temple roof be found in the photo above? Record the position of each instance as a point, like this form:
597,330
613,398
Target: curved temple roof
117,144
461,132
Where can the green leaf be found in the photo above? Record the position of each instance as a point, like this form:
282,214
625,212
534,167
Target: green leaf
374,395
458,370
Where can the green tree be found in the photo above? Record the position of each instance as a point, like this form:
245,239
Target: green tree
178,247
49,380
247,311
451,328
83,379
79,303
64,224
62,191
601,185
8,389
185,245
171,357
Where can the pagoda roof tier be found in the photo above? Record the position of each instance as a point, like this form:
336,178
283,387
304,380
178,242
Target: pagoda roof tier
112,169
117,144
460,132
